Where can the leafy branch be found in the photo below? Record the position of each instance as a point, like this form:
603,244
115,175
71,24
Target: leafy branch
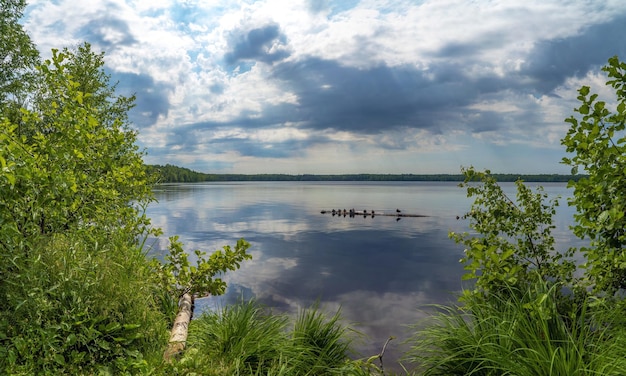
179,276
599,146
511,237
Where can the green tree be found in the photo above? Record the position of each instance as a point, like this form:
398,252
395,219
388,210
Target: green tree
597,141
77,293
18,60
76,168
515,242
84,68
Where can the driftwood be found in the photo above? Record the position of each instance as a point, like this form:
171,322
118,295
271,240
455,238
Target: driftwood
178,335
364,213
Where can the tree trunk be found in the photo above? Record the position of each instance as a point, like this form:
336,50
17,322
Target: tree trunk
178,335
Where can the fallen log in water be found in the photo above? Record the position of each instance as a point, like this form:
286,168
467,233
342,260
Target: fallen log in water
372,213
178,335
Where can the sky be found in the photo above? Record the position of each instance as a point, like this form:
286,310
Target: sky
346,86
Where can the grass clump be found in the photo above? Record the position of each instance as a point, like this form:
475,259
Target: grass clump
319,341
521,332
247,339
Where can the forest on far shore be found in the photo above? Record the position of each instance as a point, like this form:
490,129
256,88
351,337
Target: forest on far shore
174,174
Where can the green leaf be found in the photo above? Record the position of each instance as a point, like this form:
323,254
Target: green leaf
112,327
584,90
584,109
59,359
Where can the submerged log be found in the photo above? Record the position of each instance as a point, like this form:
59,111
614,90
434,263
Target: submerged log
356,213
178,335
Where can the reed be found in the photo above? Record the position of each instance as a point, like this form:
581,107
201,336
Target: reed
246,339
519,333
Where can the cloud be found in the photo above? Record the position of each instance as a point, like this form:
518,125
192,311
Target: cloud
384,98
265,44
552,62
108,32
151,97
317,6
397,80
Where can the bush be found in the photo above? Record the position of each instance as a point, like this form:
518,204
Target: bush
515,320
79,307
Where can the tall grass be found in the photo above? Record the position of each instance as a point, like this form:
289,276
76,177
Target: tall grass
519,333
321,343
241,337
246,339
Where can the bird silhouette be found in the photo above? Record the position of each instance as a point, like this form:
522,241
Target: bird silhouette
398,211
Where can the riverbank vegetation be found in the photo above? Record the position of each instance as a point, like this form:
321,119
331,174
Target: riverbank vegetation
79,293
533,310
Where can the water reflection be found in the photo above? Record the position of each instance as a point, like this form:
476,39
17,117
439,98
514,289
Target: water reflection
378,270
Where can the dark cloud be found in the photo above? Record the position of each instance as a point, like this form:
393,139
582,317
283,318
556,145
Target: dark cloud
479,43
256,44
107,32
380,98
194,137
362,101
551,62
332,96
152,97
249,148
383,98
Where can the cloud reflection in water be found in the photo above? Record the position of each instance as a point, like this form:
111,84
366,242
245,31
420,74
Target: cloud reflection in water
381,272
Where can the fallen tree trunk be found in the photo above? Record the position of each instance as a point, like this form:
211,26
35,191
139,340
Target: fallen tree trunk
178,335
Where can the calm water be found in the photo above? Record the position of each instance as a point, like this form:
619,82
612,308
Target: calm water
380,271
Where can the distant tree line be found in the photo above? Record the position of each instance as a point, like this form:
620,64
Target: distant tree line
174,174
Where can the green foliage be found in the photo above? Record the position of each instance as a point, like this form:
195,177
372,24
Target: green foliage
599,145
70,170
18,57
79,306
245,339
174,174
323,341
529,327
242,336
521,333
515,242
179,276
77,294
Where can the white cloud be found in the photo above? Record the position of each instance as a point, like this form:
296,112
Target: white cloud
485,56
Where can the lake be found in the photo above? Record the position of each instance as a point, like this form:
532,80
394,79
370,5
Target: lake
381,272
